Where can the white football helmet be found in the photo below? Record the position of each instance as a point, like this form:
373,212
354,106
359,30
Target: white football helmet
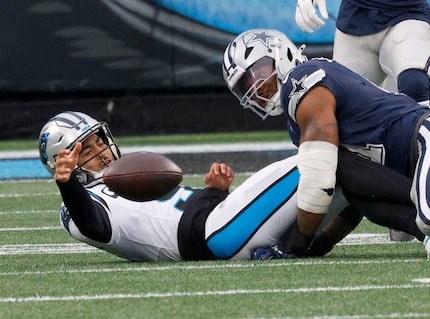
64,130
250,51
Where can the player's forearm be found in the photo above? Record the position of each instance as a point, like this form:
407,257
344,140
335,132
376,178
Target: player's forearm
88,215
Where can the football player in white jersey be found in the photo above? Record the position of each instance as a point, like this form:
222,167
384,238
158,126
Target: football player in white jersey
379,38
186,224
327,107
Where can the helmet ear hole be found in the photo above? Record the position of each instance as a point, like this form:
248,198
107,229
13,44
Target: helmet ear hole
248,52
290,55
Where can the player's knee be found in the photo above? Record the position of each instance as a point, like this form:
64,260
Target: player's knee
414,83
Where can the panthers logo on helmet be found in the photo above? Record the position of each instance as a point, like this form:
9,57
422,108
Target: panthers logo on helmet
43,142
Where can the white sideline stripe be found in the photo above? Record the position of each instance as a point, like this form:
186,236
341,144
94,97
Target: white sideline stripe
188,148
352,239
210,293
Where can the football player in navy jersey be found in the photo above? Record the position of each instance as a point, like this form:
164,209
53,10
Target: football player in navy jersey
327,107
379,38
382,40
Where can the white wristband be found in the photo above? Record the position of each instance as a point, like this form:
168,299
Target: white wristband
317,163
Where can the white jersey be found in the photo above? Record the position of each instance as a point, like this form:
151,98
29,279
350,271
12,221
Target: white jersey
141,231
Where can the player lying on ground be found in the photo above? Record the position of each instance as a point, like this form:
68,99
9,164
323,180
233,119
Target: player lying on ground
187,224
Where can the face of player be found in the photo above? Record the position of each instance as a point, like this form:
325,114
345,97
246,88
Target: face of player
95,155
259,82
266,89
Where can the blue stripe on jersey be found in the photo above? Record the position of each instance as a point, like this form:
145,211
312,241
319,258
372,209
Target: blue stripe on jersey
232,237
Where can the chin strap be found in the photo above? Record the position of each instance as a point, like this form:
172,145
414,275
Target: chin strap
88,177
300,57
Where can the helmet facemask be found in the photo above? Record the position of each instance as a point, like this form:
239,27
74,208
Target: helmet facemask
86,176
251,94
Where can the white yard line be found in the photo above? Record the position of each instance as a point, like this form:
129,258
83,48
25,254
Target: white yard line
177,294
143,267
24,249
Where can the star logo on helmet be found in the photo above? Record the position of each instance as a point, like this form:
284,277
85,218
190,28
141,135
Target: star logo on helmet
298,87
262,37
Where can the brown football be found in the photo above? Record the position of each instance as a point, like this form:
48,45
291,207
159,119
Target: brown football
142,176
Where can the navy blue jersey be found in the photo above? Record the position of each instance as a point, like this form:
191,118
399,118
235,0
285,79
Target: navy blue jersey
368,117
364,17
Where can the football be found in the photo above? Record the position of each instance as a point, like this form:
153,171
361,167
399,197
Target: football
142,176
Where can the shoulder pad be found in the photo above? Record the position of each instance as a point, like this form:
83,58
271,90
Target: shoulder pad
301,87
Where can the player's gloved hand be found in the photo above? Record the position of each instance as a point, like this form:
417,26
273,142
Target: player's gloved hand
306,16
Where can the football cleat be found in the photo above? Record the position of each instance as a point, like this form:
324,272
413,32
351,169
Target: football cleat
267,253
426,242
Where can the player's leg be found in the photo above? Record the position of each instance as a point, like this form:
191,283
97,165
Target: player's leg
405,56
382,195
255,214
380,183
360,54
392,215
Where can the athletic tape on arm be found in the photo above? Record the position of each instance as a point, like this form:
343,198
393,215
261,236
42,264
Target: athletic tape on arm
317,163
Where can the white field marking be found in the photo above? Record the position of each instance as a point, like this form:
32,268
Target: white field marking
394,315
31,249
368,239
29,195
176,294
222,265
33,211
422,280
30,228
352,239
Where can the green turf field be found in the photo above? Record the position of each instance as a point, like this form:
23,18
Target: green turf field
46,274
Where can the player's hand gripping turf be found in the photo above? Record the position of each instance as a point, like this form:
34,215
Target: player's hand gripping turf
220,176
306,16
66,162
